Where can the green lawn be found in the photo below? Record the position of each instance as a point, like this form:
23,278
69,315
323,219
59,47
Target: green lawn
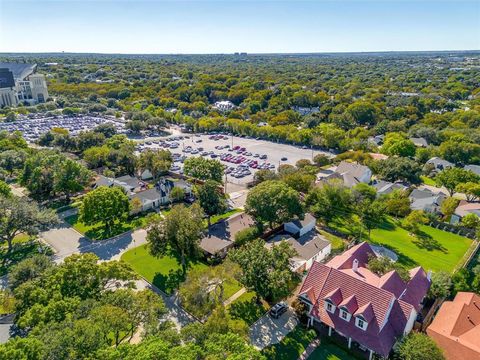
246,308
291,346
435,250
329,351
217,218
230,287
97,231
338,244
428,181
162,272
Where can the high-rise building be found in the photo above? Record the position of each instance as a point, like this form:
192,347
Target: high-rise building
19,83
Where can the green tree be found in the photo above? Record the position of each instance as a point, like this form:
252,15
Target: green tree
441,285
177,194
363,113
470,189
180,231
448,207
397,203
329,201
105,205
398,168
321,160
452,177
273,202
471,221
71,177
5,190
158,162
20,215
203,169
418,346
413,221
12,160
267,272
398,144
28,269
211,199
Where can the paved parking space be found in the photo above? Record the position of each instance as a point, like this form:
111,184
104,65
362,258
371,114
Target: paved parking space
275,152
32,129
268,331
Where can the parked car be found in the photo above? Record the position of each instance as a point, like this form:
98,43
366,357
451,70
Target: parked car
278,309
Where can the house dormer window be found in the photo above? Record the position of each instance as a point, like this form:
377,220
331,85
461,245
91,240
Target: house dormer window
329,306
361,323
345,315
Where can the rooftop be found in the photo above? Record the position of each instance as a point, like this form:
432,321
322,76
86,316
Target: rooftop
222,234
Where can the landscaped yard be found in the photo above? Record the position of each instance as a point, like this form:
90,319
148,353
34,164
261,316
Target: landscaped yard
247,309
291,346
97,231
329,351
436,250
162,272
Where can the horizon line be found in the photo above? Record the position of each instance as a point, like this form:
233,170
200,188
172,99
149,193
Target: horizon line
239,52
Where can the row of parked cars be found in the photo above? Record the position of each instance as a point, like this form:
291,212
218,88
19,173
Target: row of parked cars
32,129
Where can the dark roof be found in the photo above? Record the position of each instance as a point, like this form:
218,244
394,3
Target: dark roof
300,223
307,246
222,234
150,194
19,70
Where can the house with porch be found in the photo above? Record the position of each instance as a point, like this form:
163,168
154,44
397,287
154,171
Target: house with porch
367,312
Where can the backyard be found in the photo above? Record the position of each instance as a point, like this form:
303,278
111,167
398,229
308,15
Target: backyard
434,250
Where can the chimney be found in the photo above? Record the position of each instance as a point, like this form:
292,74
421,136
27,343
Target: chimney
355,265
429,275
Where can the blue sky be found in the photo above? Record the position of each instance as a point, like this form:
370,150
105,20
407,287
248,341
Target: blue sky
228,26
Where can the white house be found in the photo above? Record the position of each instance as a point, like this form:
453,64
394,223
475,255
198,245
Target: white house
298,227
224,105
150,199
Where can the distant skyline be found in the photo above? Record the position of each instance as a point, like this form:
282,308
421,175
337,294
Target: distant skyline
207,27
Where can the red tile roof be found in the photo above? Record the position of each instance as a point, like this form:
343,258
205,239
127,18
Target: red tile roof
386,302
456,327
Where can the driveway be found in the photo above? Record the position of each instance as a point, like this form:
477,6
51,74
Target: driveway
67,241
268,331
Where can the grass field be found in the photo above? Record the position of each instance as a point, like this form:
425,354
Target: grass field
162,272
435,250
97,231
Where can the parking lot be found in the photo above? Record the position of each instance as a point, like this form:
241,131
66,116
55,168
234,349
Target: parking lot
32,129
241,156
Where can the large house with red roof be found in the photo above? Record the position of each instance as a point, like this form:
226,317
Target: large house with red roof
370,312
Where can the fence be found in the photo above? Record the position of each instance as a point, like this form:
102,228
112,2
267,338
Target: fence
455,229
